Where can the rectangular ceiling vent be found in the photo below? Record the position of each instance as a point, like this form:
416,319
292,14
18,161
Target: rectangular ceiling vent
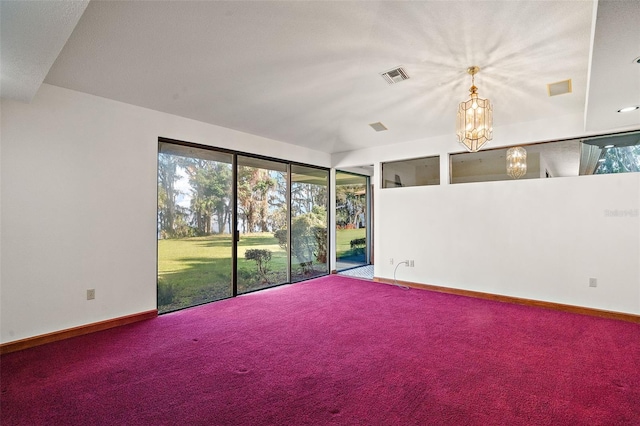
395,75
378,127
559,88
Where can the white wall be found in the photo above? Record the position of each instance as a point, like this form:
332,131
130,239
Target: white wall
78,209
78,185
540,239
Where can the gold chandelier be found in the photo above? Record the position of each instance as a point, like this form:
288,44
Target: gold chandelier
475,118
516,162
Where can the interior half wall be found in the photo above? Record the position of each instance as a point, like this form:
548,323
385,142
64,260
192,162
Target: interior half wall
535,239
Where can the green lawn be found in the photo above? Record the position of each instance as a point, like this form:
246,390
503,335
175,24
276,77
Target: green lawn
197,270
343,244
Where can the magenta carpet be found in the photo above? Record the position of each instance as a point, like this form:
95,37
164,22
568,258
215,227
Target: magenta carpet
335,351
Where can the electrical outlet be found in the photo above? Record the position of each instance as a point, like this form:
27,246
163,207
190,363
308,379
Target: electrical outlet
391,261
411,264
593,282
91,294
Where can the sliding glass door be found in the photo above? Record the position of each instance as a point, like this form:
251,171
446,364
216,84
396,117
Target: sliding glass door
229,224
352,220
194,226
262,218
309,240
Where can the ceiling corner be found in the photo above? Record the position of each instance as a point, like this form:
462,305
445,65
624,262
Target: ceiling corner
32,34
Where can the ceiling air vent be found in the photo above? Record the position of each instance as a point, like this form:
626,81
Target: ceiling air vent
395,75
378,127
559,88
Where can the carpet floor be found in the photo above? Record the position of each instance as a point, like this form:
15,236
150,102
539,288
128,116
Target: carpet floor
335,351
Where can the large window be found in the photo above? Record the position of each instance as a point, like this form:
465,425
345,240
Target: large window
554,159
618,153
194,226
413,172
226,221
309,239
262,214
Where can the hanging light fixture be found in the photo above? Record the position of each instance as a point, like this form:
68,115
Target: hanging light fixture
475,118
516,162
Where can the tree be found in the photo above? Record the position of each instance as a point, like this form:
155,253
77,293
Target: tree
210,183
254,187
350,204
620,160
167,177
305,196
308,238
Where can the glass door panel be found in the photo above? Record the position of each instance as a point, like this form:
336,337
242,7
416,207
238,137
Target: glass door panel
194,226
351,220
229,224
262,220
309,240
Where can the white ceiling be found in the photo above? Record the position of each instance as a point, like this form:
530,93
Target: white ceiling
32,34
615,72
307,73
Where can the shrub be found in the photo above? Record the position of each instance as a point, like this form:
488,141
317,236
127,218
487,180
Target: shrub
262,258
320,233
358,243
281,235
166,293
309,239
